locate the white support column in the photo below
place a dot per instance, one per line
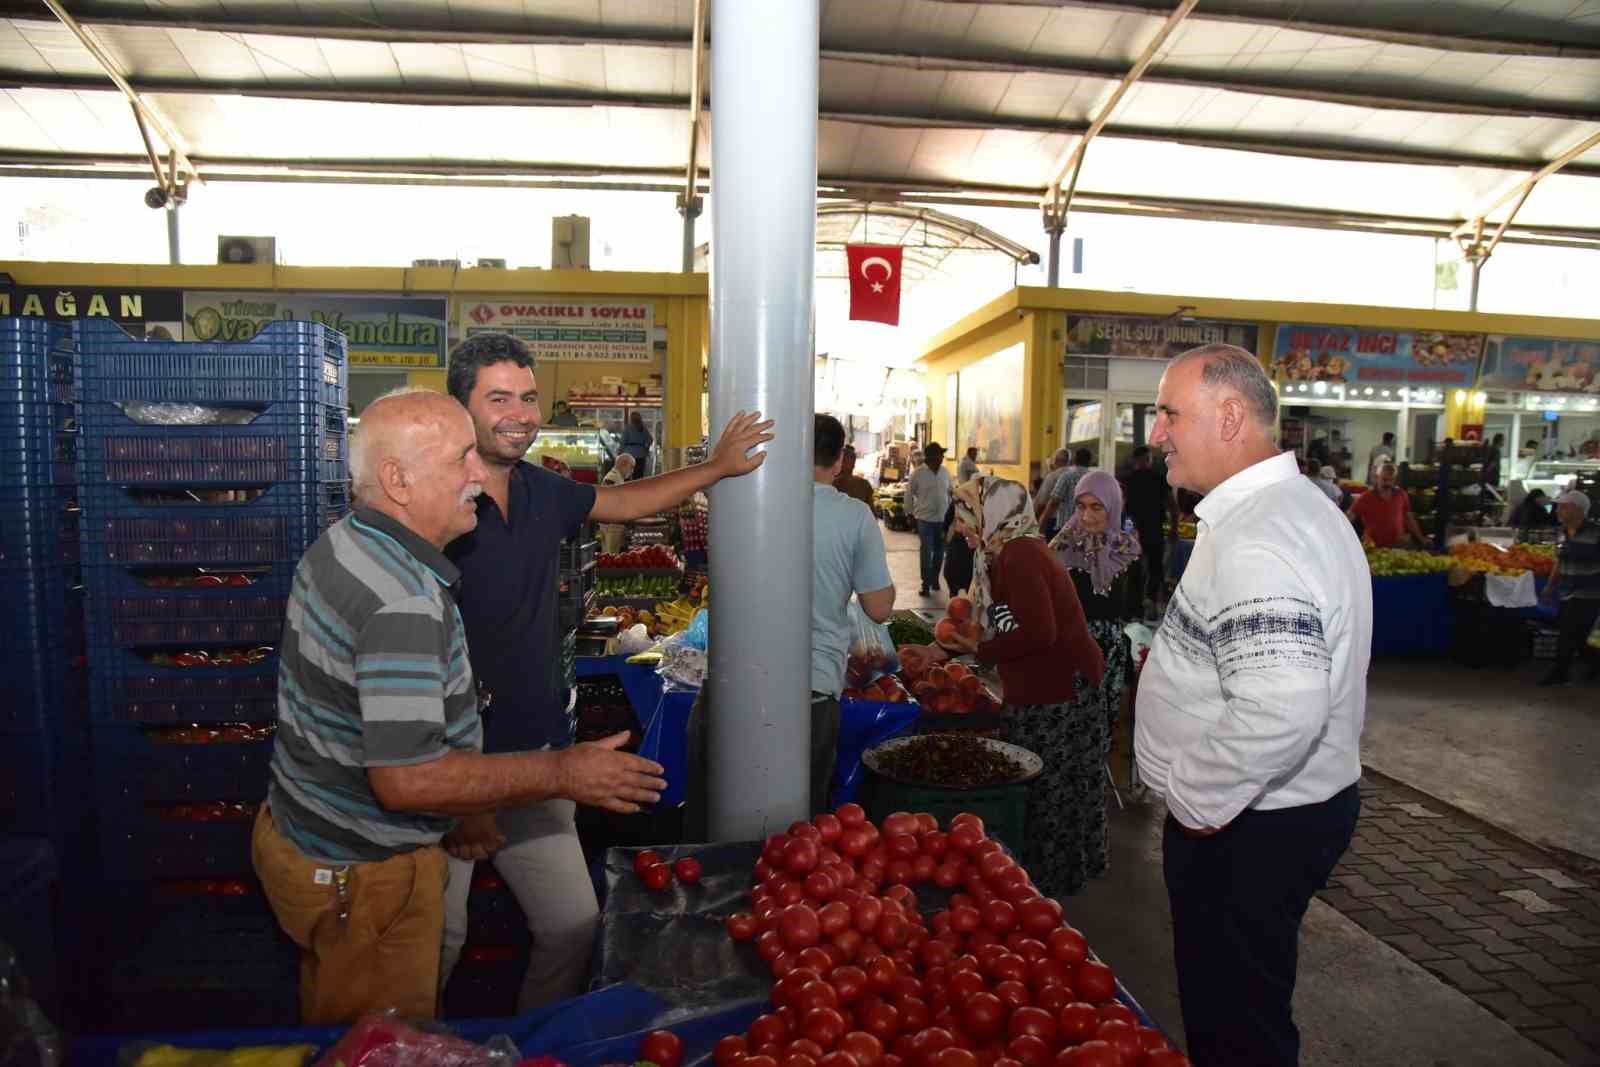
(764, 69)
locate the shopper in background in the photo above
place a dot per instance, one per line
(1250, 707)
(1444, 499)
(847, 558)
(1058, 506)
(563, 415)
(1327, 480)
(636, 442)
(510, 572)
(849, 482)
(1384, 512)
(1383, 450)
(927, 498)
(1576, 583)
(967, 469)
(614, 535)
(1059, 461)
(1104, 560)
(377, 747)
(1033, 631)
(1532, 514)
(1150, 502)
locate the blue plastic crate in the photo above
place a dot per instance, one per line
(41, 643)
(159, 842)
(27, 783)
(136, 609)
(125, 688)
(38, 527)
(286, 361)
(124, 527)
(294, 442)
(38, 443)
(138, 766)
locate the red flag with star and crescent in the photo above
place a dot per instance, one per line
(874, 282)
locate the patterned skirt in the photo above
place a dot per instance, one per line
(1066, 837)
(1113, 644)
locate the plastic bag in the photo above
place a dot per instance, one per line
(683, 665)
(634, 640)
(872, 652)
(383, 1039)
(152, 414)
(138, 1054)
(1140, 637)
(27, 1037)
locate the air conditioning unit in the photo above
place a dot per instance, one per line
(491, 264)
(569, 243)
(232, 249)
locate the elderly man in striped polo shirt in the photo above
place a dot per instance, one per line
(378, 743)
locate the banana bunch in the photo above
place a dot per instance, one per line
(675, 615)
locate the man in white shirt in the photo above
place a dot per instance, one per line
(926, 501)
(1383, 450)
(1250, 707)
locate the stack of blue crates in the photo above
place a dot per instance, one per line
(206, 470)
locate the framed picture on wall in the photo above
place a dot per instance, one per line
(989, 416)
(952, 399)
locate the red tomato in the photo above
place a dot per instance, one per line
(785, 989)
(927, 823)
(953, 1057)
(898, 872)
(1035, 1021)
(880, 1020)
(1151, 1039)
(829, 827)
(965, 920)
(800, 856)
(833, 917)
(905, 897)
(983, 1015)
(799, 927)
(1068, 945)
(947, 875)
(1052, 998)
(759, 1061)
(797, 1059)
(850, 943)
(1013, 994)
(922, 869)
(820, 885)
(1046, 972)
(866, 913)
(965, 818)
(901, 822)
(1019, 893)
(987, 847)
(784, 964)
(1118, 1010)
(769, 944)
(882, 975)
(850, 983)
(965, 838)
(851, 815)
(999, 916)
(1029, 1051)
(935, 954)
(804, 829)
(813, 995)
(1077, 1021)
(643, 861)
(818, 959)
(825, 1026)
(760, 895)
(890, 932)
(1165, 1058)
(657, 877)
(965, 984)
(772, 851)
(1028, 948)
(729, 1051)
(907, 984)
(1003, 1061)
(687, 870)
(791, 893)
(991, 865)
(837, 1059)
(900, 846)
(935, 843)
(914, 1014)
(742, 926)
(1122, 1037)
(1094, 981)
(867, 1048)
(1089, 1054)
(927, 1042)
(1037, 918)
(662, 1048)
(855, 842)
(981, 937)
(801, 1047)
(1008, 968)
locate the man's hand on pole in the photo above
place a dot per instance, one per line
(732, 455)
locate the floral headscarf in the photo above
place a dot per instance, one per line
(997, 510)
(1102, 556)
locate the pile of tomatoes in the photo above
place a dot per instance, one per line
(864, 980)
(657, 874)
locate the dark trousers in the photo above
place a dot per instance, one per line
(1154, 551)
(824, 750)
(1575, 620)
(1237, 899)
(931, 535)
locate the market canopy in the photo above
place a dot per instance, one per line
(1411, 116)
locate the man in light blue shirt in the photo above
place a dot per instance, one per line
(847, 557)
(927, 499)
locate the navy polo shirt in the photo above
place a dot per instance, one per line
(510, 580)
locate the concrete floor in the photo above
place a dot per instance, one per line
(1487, 742)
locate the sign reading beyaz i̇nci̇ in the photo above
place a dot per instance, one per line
(566, 328)
(382, 331)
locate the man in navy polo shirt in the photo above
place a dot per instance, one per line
(510, 568)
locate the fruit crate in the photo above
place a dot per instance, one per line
(139, 766)
(294, 442)
(493, 914)
(38, 444)
(41, 644)
(38, 526)
(175, 841)
(124, 688)
(132, 608)
(286, 362)
(274, 527)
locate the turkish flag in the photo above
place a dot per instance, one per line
(874, 282)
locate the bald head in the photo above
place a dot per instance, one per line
(1216, 413)
(1239, 371)
(413, 457)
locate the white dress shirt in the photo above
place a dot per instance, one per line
(1255, 691)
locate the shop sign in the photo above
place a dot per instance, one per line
(1546, 364)
(1348, 355)
(158, 312)
(383, 331)
(564, 328)
(1151, 337)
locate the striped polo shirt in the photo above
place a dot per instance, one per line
(374, 673)
(1579, 566)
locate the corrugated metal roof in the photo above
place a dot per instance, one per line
(1415, 111)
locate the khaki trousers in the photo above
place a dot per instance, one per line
(384, 955)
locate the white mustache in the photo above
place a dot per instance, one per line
(471, 493)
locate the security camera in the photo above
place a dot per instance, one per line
(155, 197)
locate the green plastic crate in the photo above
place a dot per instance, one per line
(1003, 808)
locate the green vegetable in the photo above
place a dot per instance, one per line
(906, 632)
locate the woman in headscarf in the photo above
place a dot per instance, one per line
(1032, 629)
(1103, 559)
